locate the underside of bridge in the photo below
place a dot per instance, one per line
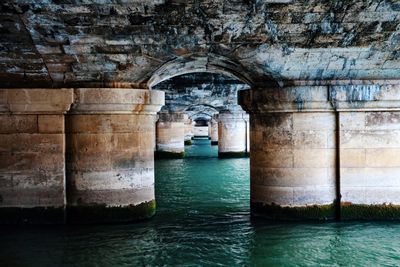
(89, 90)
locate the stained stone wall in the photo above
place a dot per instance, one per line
(330, 154)
(370, 158)
(119, 43)
(32, 155)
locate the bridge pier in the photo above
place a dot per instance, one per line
(189, 131)
(214, 131)
(171, 135)
(110, 155)
(318, 152)
(232, 134)
(325, 152)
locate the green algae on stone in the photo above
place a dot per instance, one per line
(169, 155)
(89, 214)
(370, 212)
(188, 142)
(309, 212)
(240, 154)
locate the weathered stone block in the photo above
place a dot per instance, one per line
(51, 123)
(310, 139)
(314, 121)
(314, 158)
(352, 158)
(383, 158)
(274, 158)
(18, 124)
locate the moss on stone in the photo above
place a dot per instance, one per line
(169, 155)
(310, 212)
(214, 143)
(37, 215)
(369, 212)
(104, 214)
(225, 155)
(188, 142)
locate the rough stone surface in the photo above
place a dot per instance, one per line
(112, 43)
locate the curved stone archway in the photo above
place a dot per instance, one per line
(197, 63)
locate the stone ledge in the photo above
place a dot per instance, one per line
(116, 101)
(35, 101)
(373, 97)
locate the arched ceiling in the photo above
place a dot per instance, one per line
(60, 43)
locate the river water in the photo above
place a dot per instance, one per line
(203, 220)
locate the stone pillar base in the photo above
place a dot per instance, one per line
(241, 154)
(188, 142)
(288, 213)
(104, 214)
(369, 212)
(169, 155)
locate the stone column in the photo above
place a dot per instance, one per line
(171, 135)
(231, 134)
(214, 131)
(209, 129)
(369, 143)
(188, 131)
(293, 152)
(110, 153)
(32, 155)
(323, 152)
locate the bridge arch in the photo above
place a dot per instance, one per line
(197, 63)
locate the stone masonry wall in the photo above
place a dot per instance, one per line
(32, 155)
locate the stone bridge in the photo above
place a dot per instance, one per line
(82, 83)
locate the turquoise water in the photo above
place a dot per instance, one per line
(203, 220)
